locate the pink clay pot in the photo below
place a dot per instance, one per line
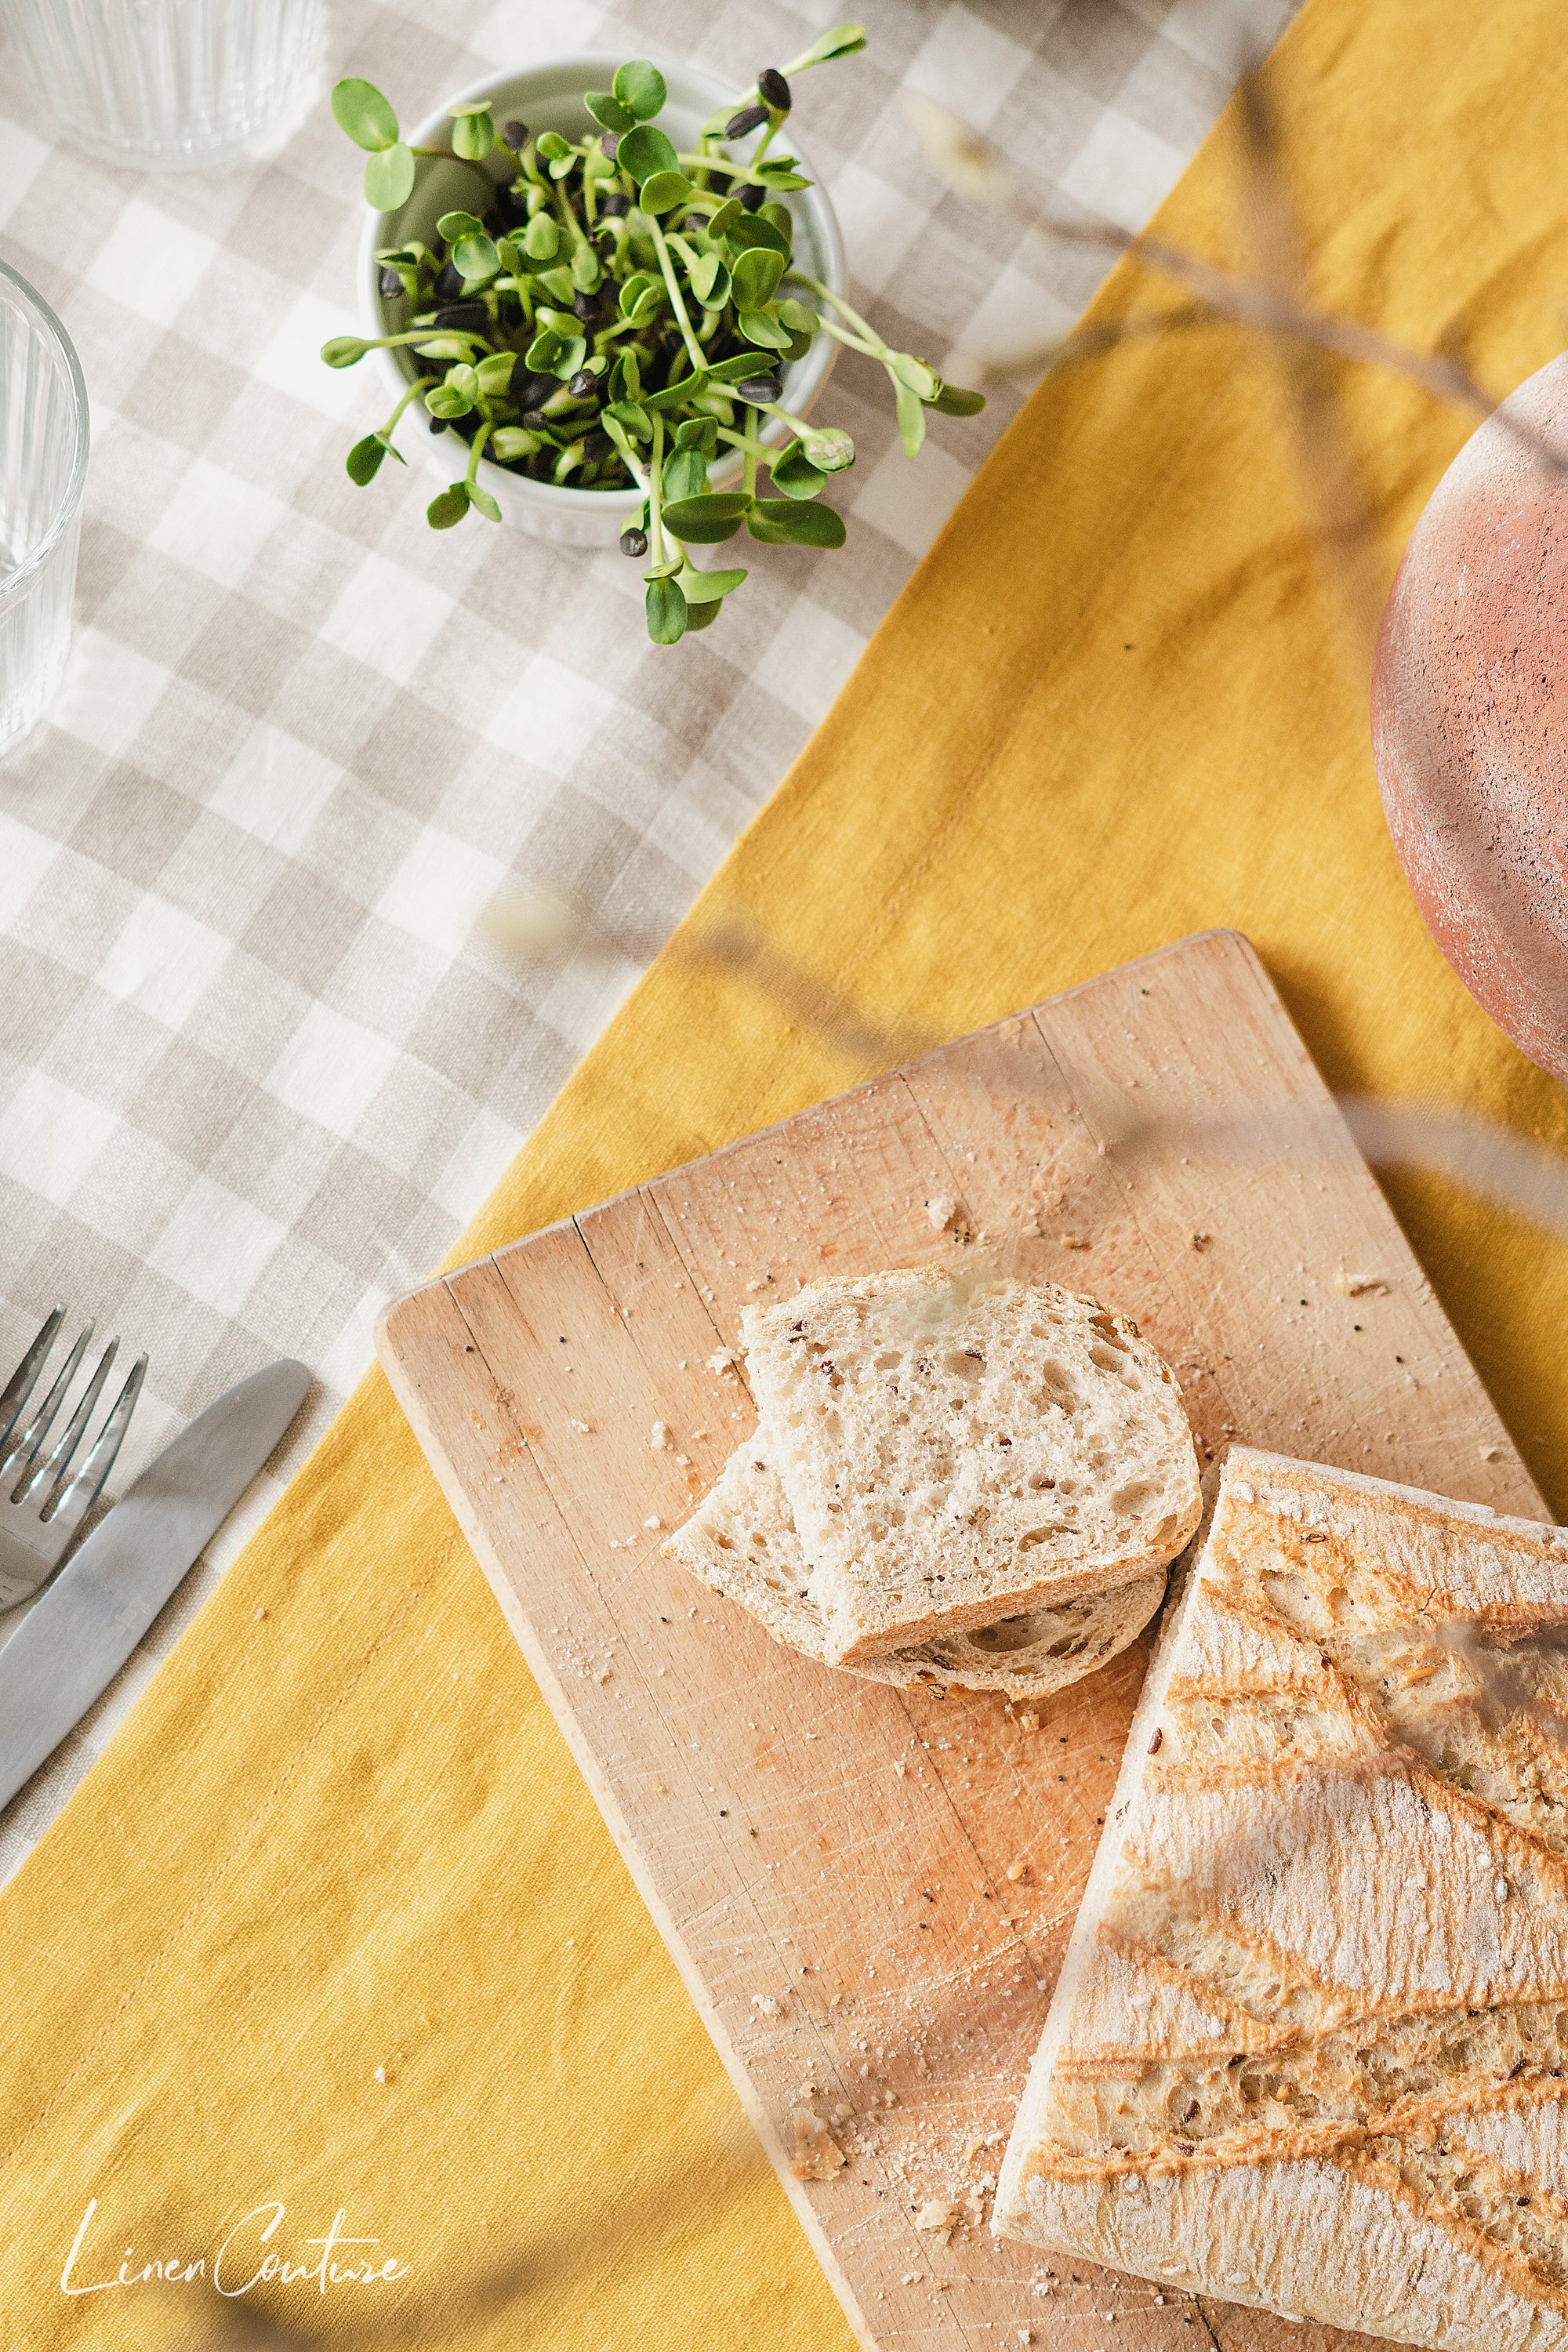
(1470, 718)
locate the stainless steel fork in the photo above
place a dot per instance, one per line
(43, 1501)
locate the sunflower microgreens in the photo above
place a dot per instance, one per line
(618, 314)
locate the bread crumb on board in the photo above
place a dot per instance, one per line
(1360, 1285)
(937, 2218)
(817, 2155)
(658, 1437)
(942, 1211)
(720, 1360)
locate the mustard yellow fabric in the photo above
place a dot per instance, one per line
(343, 1841)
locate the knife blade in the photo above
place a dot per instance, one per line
(86, 1624)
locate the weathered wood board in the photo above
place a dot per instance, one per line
(868, 1892)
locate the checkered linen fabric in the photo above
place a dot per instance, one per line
(257, 1065)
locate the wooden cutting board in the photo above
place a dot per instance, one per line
(868, 1892)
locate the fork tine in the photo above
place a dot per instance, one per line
(37, 1429)
(20, 1387)
(79, 1493)
(52, 1473)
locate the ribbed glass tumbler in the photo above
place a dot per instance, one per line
(43, 465)
(163, 85)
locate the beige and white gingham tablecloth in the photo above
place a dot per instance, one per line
(257, 1066)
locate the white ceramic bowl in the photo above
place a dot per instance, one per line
(550, 97)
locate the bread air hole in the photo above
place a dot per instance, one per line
(1133, 1495)
(1014, 1633)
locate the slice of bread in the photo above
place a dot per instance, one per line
(1309, 2046)
(742, 1542)
(960, 1451)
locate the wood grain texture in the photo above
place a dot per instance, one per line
(828, 1858)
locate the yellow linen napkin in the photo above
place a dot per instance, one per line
(334, 1925)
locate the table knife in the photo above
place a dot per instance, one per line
(86, 1624)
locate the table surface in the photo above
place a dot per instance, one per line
(260, 1061)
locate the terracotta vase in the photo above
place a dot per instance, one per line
(1470, 718)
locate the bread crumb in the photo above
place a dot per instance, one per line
(720, 1360)
(942, 1211)
(1028, 1722)
(1015, 1870)
(1072, 1241)
(817, 2155)
(260, 1615)
(602, 1676)
(936, 2218)
(901, 1769)
(583, 1426)
(655, 1523)
(1360, 1285)
(1489, 1453)
(381, 2074)
(658, 1437)
(766, 2003)
(1202, 1241)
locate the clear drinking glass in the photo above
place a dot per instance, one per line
(163, 85)
(43, 465)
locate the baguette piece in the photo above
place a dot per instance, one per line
(1309, 2046)
(742, 1542)
(961, 1450)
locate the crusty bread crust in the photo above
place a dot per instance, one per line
(742, 1542)
(958, 1450)
(1309, 2045)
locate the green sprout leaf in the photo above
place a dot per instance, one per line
(795, 315)
(586, 271)
(453, 225)
(640, 298)
(665, 608)
(759, 328)
(389, 178)
(911, 419)
(630, 418)
(510, 442)
(609, 111)
(640, 88)
(685, 474)
(707, 587)
(843, 41)
(680, 394)
(702, 616)
(698, 433)
(473, 134)
(445, 347)
(494, 373)
(784, 522)
(477, 259)
(359, 108)
(752, 230)
(449, 507)
(795, 473)
(663, 191)
(709, 281)
(922, 381)
(953, 400)
(779, 175)
(645, 152)
(552, 147)
(461, 106)
(343, 351)
(755, 277)
(363, 461)
(482, 503)
(729, 212)
(542, 237)
(545, 350)
(706, 520)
